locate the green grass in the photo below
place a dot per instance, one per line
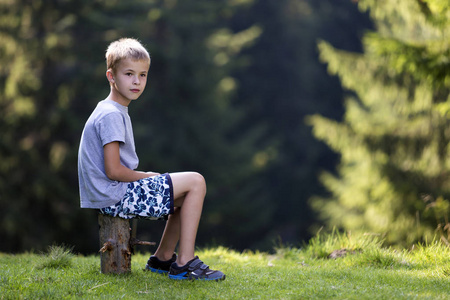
(368, 271)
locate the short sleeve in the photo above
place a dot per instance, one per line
(111, 128)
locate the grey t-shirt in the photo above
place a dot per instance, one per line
(109, 122)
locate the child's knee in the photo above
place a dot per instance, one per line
(198, 180)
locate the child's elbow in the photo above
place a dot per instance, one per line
(111, 174)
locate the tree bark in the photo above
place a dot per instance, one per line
(115, 252)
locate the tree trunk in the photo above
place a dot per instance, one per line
(115, 252)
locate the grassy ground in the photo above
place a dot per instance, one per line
(367, 271)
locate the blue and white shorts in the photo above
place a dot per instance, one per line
(148, 198)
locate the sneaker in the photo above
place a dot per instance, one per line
(158, 266)
(195, 269)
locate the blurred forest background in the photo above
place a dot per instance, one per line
(244, 92)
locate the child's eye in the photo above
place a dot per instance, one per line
(128, 74)
(143, 75)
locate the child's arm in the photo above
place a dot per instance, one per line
(115, 170)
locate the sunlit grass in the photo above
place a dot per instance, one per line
(56, 257)
(366, 271)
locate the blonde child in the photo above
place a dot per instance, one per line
(109, 182)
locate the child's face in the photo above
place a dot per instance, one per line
(129, 80)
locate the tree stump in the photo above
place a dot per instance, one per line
(115, 252)
(117, 244)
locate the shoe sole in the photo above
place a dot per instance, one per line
(158, 271)
(182, 277)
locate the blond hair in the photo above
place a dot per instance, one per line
(125, 48)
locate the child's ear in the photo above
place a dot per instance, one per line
(110, 76)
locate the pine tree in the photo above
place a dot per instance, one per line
(393, 177)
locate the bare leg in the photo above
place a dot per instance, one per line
(189, 192)
(170, 237)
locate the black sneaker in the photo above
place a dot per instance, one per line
(195, 269)
(158, 266)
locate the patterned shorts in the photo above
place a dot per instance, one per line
(148, 198)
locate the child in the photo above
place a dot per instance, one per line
(108, 181)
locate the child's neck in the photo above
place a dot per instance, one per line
(118, 98)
